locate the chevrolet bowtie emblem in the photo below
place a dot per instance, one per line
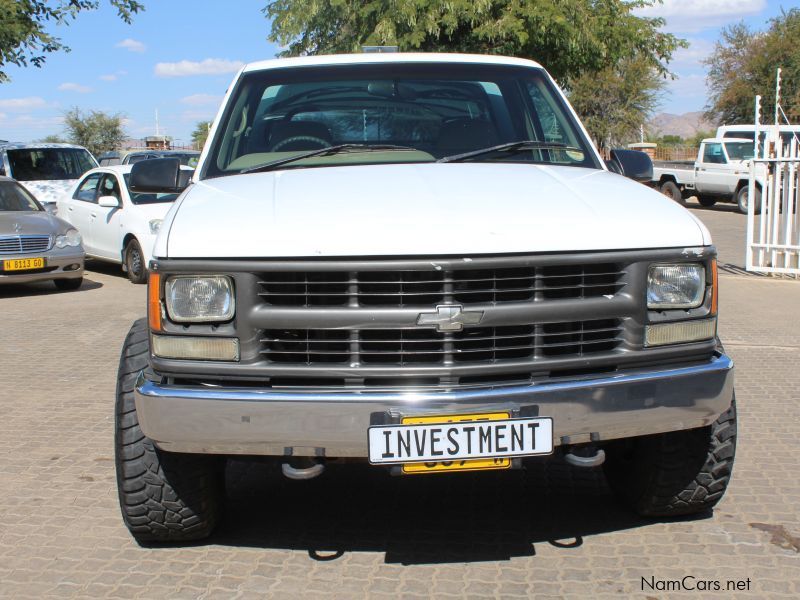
(450, 317)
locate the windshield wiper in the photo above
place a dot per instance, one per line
(509, 147)
(329, 151)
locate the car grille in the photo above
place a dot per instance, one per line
(405, 288)
(23, 244)
(401, 347)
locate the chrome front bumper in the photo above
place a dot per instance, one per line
(220, 420)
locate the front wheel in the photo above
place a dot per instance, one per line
(675, 473)
(134, 262)
(742, 200)
(707, 201)
(68, 284)
(164, 496)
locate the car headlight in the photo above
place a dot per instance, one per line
(195, 298)
(676, 286)
(71, 238)
(155, 226)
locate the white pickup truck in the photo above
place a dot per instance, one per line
(721, 172)
(421, 262)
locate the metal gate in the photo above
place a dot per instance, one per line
(773, 228)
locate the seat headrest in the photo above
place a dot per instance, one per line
(463, 135)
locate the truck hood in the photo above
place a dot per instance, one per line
(422, 209)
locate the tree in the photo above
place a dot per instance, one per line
(200, 134)
(52, 139)
(616, 101)
(743, 65)
(23, 38)
(569, 37)
(97, 131)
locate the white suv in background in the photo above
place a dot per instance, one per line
(116, 225)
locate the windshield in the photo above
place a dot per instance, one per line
(147, 198)
(14, 198)
(434, 110)
(47, 164)
(739, 150)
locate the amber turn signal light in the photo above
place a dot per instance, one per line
(154, 301)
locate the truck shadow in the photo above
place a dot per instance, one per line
(426, 519)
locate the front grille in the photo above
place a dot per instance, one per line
(402, 288)
(24, 244)
(479, 345)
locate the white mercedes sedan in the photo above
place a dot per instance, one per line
(117, 225)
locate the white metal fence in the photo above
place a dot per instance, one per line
(773, 228)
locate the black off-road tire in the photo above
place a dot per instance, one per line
(134, 262)
(675, 473)
(68, 284)
(707, 201)
(741, 200)
(671, 190)
(164, 496)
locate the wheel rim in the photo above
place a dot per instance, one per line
(135, 262)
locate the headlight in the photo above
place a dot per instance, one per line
(71, 238)
(155, 226)
(193, 298)
(676, 286)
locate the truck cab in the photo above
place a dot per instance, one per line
(419, 262)
(721, 172)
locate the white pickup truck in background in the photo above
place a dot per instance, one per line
(720, 173)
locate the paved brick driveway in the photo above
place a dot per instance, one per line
(553, 531)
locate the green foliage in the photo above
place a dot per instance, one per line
(200, 134)
(96, 131)
(744, 64)
(52, 139)
(569, 37)
(23, 39)
(614, 102)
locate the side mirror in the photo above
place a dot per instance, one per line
(108, 202)
(159, 176)
(632, 164)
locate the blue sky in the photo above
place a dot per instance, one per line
(178, 57)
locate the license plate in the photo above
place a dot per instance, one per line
(459, 442)
(23, 264)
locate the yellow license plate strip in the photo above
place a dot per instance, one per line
(475, 464)
(23, 264)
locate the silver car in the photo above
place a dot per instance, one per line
(35, 245)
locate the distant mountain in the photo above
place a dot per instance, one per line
(686, 125)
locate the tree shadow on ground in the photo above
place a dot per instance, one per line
(425, 519)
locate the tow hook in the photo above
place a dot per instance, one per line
(301, 468)
(585, 456)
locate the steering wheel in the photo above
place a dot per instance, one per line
(304, 139)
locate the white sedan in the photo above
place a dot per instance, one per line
(116, 224)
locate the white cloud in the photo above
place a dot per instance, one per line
(29, 103)
(111, 77)
(201, 100)
(186, 68)
(197, 115)
(693, 56)
(132, 45)
(74, 87)
(686, 16)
